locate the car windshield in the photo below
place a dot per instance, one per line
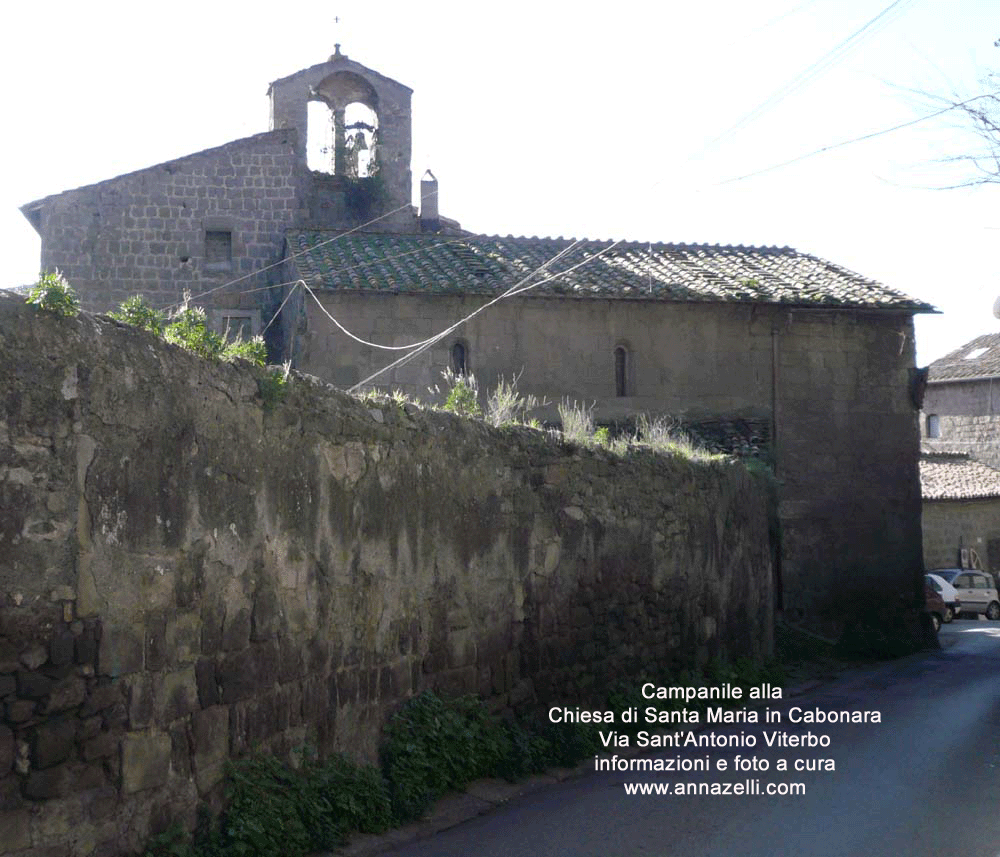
(948, 574)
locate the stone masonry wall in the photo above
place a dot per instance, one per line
(969, 418)
(144, 233)
(951, 524)
(188, 571)
(834, 383)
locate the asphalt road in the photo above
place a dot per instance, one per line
(924, 781)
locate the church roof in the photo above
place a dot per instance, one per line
(490, 264)
(977, 359)
(955, 476)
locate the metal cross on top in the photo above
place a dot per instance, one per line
(336, 33)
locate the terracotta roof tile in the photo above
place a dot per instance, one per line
(977, 359)
(955, 476)
(489, 264)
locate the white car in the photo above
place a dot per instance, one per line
(976, 590)
(948, 593)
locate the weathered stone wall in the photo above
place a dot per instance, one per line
(951, 524)
(969, 418)
(188, 571)
(144, 232)
(835, 385)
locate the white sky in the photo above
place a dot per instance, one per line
(551, 118)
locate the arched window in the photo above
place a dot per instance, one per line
(621, 371)
(933, 425)
(459, 359)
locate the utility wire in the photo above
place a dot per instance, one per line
(514, 290)
(860, 139)
(825, 62)
(299, 253)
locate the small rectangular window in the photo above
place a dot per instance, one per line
(238, 327)
(218, 250)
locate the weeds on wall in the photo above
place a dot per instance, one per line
(188, 328)
(54, 294)
(506, 406)
(461, 394)
(138, 312)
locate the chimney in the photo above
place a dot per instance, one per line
(429, 220)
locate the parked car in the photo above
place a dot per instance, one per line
(948, 593)
(935, 606)
(976, 589)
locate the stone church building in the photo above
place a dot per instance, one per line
(819, 358)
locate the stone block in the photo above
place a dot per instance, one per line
(212, 618)
(236, 630)
(184, 638)
(59, 820)
(15, 831)
(101, 697)
(121, 650)
(180, 749)
(145, 761)
(61, 648)
(10, 793)
(53, 742)
(141, 700)
(176, 695)
(68, 693)
(101, 746)
(208, 688)
(236, 676)
(290, 663)
(116, 717)
(34, 657)
(266, 617)
(266, 660)
(20, 711)
(155, 643)
(33, 685)
(85, 647)
(8, 685)
(6, 750)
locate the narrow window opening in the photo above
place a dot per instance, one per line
(621, 372)
(218, 250)
(933, 425)
(459, 363)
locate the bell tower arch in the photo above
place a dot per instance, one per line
(368, 133)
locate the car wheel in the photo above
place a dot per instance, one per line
(993, 611)
(936, 622)
(949, 614)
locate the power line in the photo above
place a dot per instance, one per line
(825, 62)
(860, 139)
(511, 292)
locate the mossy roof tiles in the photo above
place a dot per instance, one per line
(955, 476)
(490, 264)
(977, 359)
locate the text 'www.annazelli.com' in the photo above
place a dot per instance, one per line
(747, 787)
